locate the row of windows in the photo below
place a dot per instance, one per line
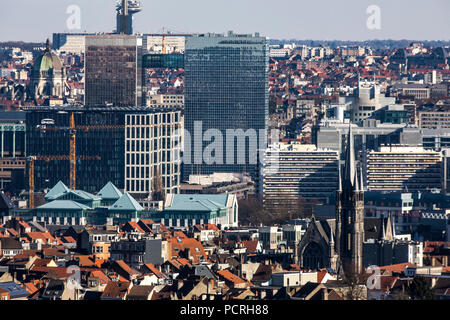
(160, 118)
(144, 145)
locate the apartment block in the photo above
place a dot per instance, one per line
(292, 171)
(401, 168)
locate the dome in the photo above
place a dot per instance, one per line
(48, 62)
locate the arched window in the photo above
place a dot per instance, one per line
(313, 256)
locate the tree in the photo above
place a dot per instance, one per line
(420, 289)
(272, 104)
(158, 192)
(251, 212)
(355, 285)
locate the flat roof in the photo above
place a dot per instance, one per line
(80, 108)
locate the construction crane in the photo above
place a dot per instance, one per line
(72, 157)
(31, 161)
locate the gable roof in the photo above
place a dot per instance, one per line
(139, 292)
(251, 245)
(396, 268)
(127, 203)
(151, 267)
(228, 276)
(134, 226)
(109, 191)
(103, 278)
(115, 290)
(126, 268)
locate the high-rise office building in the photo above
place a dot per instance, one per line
(226, 88)
(113, 69)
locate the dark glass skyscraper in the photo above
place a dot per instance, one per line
(124, 145)
(113, 68)
(226, 87)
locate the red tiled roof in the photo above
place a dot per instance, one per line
(250, 245)
(116, 289)
(46, 236)
(68, 239)
(38, 263)
(134, 225)
(30, 287)
(100, 275)
(194, 247)
(126, 268)
(397, 268)
(154, 270)
(227, 275)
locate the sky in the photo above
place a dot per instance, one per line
(36, 20)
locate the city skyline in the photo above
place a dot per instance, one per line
(337, 22)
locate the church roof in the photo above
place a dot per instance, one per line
(47, 61)
(327, 229)
(373, 228)
(109, 191)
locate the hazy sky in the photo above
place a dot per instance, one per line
(35, 20)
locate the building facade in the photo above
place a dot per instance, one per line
(12, 151)
(291, 171)
(185, 210)
(123, 145)
(153, 144)
(113, 70)
(400, 168)
(226, 88)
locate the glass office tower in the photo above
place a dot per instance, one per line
(113, 68)
(226, 87)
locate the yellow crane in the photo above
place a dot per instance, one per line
(31, 161)
(72, 157)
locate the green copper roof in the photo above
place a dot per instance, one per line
(198, 202)
(85, 195)
(109, 191)
(127, 203)
(63, 205)
(47, 61)
(58, 190)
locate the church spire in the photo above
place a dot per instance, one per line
(350, 167)
(47, 45)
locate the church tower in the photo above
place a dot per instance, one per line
(350, 213)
